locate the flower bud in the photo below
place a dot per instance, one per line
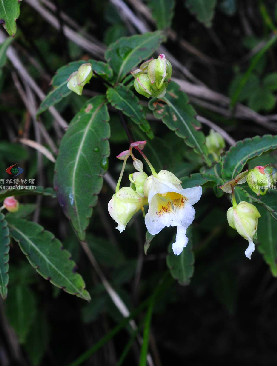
(123, 205)
(215, 144)
(138, 165)
(11, 204)
(138, 179)
(244, 219)
(84, 74)
(142, 85)
(73, 84)
(260, 179)
(78, 79)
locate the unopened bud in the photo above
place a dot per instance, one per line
(11, 204)
(260, 179)
(123, 205)
(244, 219)
(73, 84)
(142, 85)
(84, 74)
(215, 144)
(138, 165)
(159, 71)
(138, 179)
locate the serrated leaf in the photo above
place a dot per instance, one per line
(270, 81)
(244, 150)
(37, 339)
(9, 12)
(125, 100)
(20, 308)
(196, 179)
(262, 99)
(179, 116)
(3, 50)
(4, 256)
(268, 201)
(128, 52)
(202, 9)
(162, 12)
(47, 256)
(60, 80)
(81, 163)
(24, 192)
(181, 266)
(267, 236)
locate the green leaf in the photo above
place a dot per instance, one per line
(24, 192)
(270, 81)
(148, 238)
(128, 52)
(37, 339)
(81, 163)
(3, 50)
(47, 256)
(14, 152)
(179, 116)
(23, 210)
(196, 179)
(59, 81)
(202, 9)
(244, 150)
(181, 266)
(268, 201)
(262, 100)
(20, 309)
(250, 86)
(125, 100)
(4, 256)
(267, 236)
(9, 12)
(162, 12)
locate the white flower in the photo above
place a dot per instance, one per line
(123, 205)
(170, 205)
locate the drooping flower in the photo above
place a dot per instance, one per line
(244, 218)
(123, 205)
(170, 205)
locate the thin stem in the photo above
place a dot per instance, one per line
(234, 201)
(153, 171)
(124, 125)
(121, 174)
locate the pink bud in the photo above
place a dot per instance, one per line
(11, 204)
(139, 144)
(123, 155)
(260, 169)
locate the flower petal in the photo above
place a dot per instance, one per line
(181, 240)
(250, 249)
(192, 194)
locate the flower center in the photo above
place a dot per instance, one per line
(168, 202)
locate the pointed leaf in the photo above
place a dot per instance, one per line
(47, 256)
(81, 163)
(244, 150)
(162, 12)
(179, 116)
(267, 236)
(181, 266)
(23, 192)
(4, 256)
(20, 308)
(128, 52)
(9, 12)
(60, 80)
(202, 9)
(125, 100)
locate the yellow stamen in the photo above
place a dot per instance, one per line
(167, 202)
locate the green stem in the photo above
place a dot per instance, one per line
(153, 171)
(146, 333)
(121, 175)
(234, 201)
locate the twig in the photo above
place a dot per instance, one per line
(109, 179)
(13, 57)
(40, 148)
(82, 42)
(223, 133)
(113, 295)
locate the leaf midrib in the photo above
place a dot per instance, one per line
(45, 258)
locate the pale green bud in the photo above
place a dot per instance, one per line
(84, 74)
(159, 71)
(73, 84)
(244, 219)
(142, 85)
(138, 179)
(138, 165)
(123, 205)
(260, 179)
(215, 144)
